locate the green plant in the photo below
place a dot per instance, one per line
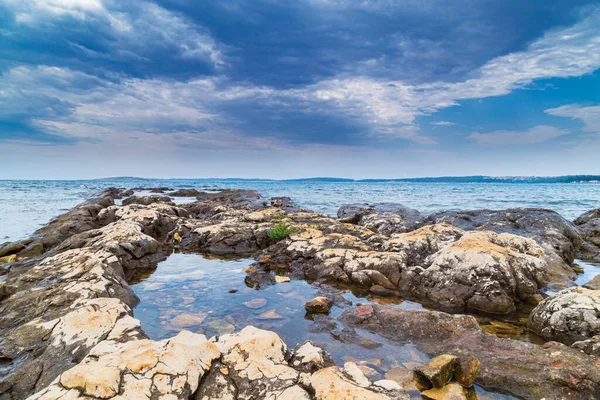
(281, 230)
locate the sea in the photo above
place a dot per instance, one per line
(27, 205)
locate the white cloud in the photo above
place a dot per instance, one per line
(134, 26)
(589, 115)
(388, 108)
(443, 123)
(533, 135)
(563, 53)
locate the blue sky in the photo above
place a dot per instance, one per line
(277, 89)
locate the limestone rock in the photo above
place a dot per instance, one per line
(482, 270)
(569, 316)
(309, 358)
(384, 218)
(331, 384)
(138, 369)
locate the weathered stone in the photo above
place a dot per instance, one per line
(589, 346)
(594, 284)
(436, 373)
(331, 384)
(318, 305)
(589, 226)
(559, 238)
(138, 369)
(184, 193)
(482, 270)
(466, 371)
(452, 391)
(516, 367)
(355, 373)
(384, 218)
(310, 358)
(569, 316)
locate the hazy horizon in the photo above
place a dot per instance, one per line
(370, 89)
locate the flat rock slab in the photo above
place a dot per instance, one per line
(520, 368)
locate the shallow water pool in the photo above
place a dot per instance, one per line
(207, 294)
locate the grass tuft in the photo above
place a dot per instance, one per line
(281, 230)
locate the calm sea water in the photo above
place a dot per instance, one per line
(27, 205)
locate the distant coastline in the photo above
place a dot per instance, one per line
(593, 179)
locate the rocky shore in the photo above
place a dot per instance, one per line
(67, 329)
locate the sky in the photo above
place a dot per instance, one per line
(298, 88)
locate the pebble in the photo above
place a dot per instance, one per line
(256, 303)
(271, 314)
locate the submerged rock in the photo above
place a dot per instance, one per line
(569, 316)
(188, 320)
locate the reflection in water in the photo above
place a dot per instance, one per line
(590, 270)
(206, 294)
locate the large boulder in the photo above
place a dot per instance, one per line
(523, 369)
(439, 264)
(559, 238)
(481, 271)
(383, 218)
(589, 225)
(569, 316)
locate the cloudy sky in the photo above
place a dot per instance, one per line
(298, 88)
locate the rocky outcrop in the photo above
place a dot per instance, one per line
(384, 218)
(481, 271)
(569, 316)
(248, 365)
(589, 225)
(139, 369)
(559, 238)
(67, 329)
(184, 193)
(66, 326)
(77, 220)
(519, 368)
(147, 200)
(439, 264)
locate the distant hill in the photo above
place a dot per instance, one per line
(440, 179)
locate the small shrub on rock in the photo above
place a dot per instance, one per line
(281, 230)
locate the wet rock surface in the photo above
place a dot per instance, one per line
(67, 329)
(523, 369)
